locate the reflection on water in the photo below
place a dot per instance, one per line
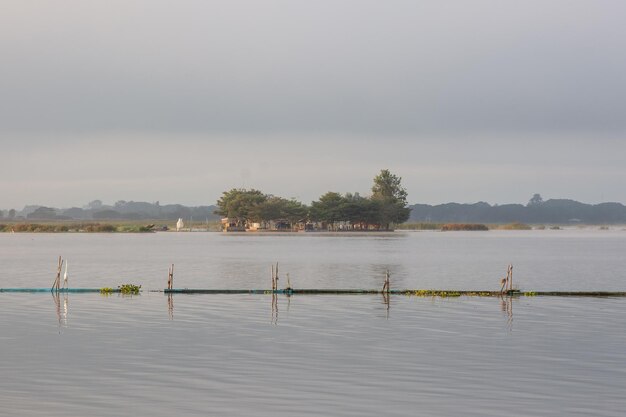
(506, 305)
(274, 309)
(170, 306)
(61, 312)
(325, 355)
(387, 303)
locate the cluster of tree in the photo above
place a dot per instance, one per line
(537, 210)
(385, 207)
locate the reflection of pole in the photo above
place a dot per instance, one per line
(274, 308)
(57, 304)
(65, 303)
(387, 301)
(170, 306)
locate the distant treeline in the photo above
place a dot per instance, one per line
(537, 211)
(335, 207)
(73, 227)
(122, 210)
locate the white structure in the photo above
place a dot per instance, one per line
(180, 225)
(66, 275)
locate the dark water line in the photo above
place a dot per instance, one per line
(60, 290)
(315, 291)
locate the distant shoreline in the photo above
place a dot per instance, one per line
(214, 227)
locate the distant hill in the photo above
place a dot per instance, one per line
(559, 211)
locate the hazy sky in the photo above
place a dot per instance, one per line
(178, 101)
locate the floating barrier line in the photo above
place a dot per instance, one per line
(314, 291)
(60, 290)
(423, 293)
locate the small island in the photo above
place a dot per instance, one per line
(253, 210)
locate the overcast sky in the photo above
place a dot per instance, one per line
(178, 101)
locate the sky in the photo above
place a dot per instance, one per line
(178, 101)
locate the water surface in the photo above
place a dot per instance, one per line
(233, 355)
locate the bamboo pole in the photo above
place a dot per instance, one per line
(57, 280)
(386, 284)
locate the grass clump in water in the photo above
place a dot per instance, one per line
(419, 226)
(129, 289)
(435, 293)
(515, 226)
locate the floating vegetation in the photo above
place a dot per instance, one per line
(434, 293)
(419, 226)
(129, 289)
(106, 290)
(469, 227)
(514, 226)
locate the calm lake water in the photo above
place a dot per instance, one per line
(233, 355)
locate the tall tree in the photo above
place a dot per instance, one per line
(388, 192)
(240, 204)
(329, 208)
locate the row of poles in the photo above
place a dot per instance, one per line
(506, 282)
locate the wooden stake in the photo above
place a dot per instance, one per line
(170, 281)
(386, 284)
(57, 281)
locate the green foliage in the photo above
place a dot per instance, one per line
(106, 290)
(129, 289)
(240, 205)
(434, 293)
(278, 208)
(329, 208)
(391, 197)
(387, 206)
